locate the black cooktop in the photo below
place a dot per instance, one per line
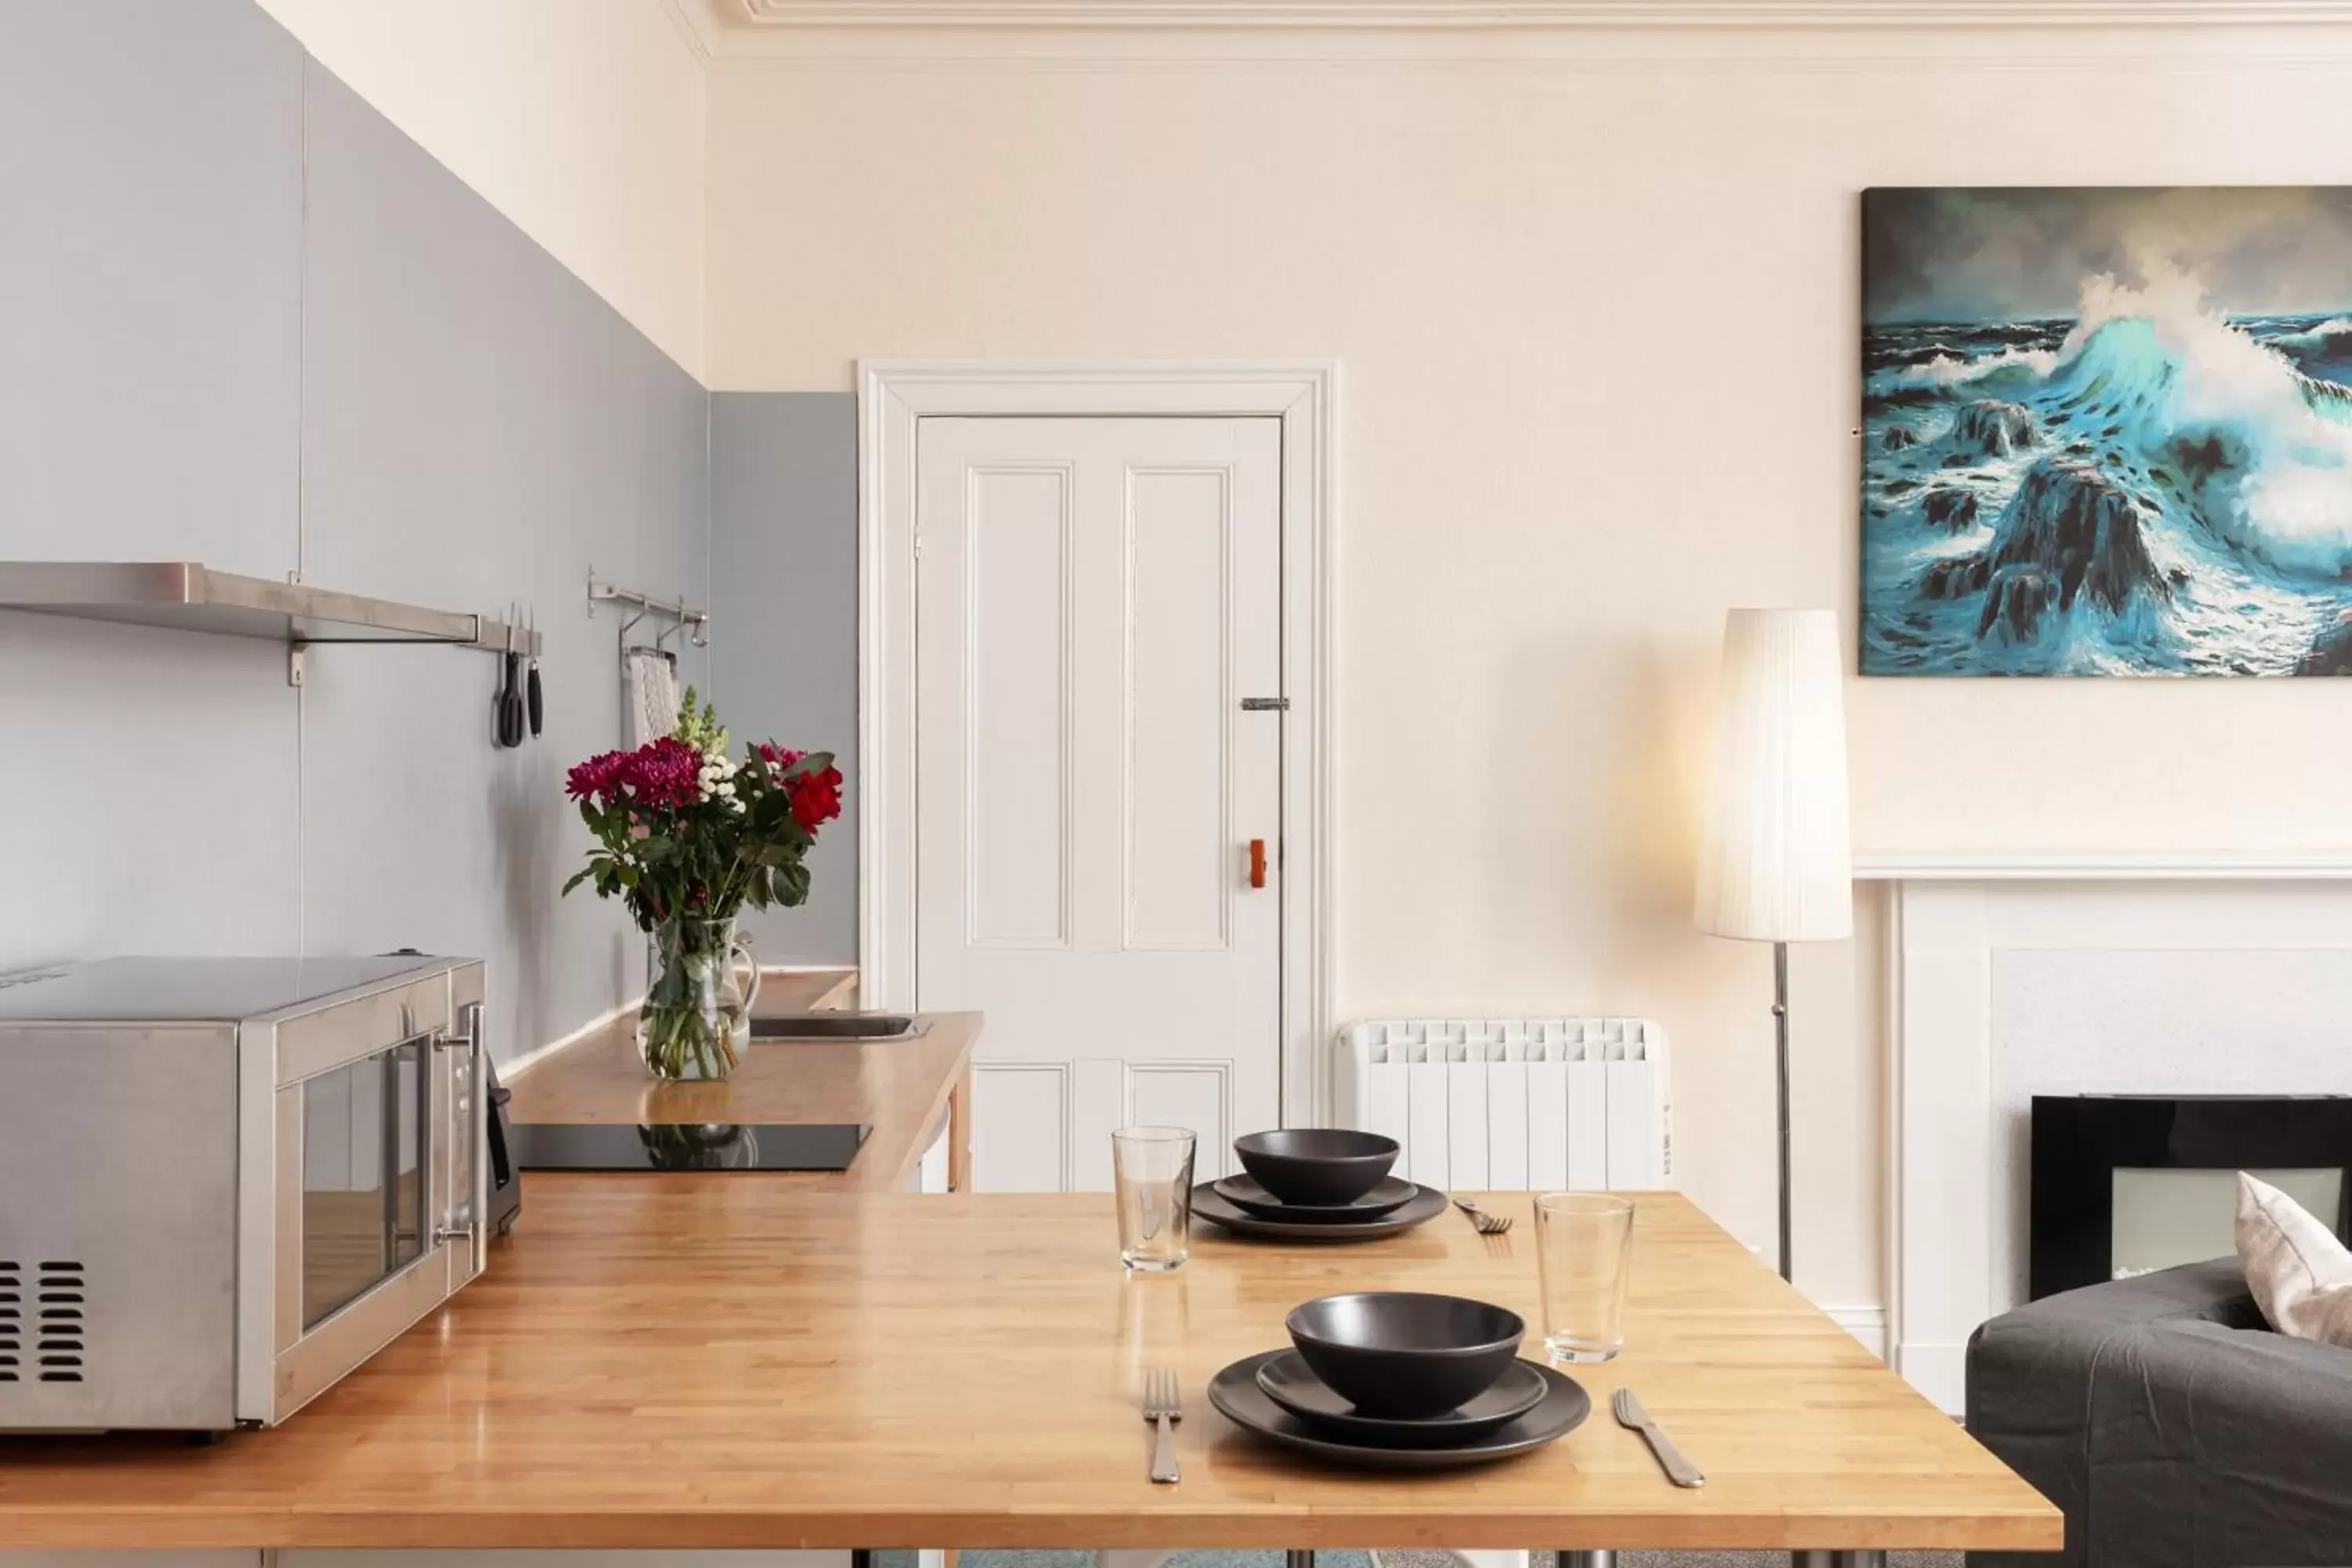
(687, 1146)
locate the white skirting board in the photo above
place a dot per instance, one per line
(1867, 1324)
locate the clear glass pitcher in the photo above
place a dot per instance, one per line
(700, 981)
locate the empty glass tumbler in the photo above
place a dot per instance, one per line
(1152, 1170)
(1583, 1247)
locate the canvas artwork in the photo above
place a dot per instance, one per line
(2107, 431)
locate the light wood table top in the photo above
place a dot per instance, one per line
(901, 1087)
(719, 1361)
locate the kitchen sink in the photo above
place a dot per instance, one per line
(837, 1026)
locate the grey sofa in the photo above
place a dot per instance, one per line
(2175, 1429)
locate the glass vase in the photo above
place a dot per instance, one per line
(700, 980)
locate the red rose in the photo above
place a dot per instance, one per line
(816, 797)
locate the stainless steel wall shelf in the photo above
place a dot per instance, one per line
(193, 597)
(188, 596)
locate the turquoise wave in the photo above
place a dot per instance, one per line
(2216, 455)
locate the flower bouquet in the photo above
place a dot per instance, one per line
(688, 835)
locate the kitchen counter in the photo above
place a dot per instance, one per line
(712, 1361)
(901, 1087)
(806, 990)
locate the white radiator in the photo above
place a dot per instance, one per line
(1506, 1104)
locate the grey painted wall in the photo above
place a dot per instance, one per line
(150, 185)
(400, 394)
(783, 606)
(478, 426)
(151, 307)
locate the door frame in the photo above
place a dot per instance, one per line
(893, 397)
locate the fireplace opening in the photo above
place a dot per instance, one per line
(2123, 1184)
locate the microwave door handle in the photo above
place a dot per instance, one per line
(470, 1042)
(475, 1130)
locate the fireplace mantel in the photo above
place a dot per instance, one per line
(2122, 866)
(1973, 944)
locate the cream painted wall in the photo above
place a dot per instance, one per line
(1597, 324)
(582, 120)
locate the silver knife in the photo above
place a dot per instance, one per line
(1679, 1470)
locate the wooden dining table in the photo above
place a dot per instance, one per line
(727, 1360)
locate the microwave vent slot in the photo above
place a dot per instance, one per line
(12, 1320)
(48, 1335)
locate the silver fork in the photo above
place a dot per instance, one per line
(1487, 1224)
(1162, 1406)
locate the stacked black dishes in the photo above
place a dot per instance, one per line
(1316, 1183)
(1403, 1381)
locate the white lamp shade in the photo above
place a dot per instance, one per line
(1778, 863)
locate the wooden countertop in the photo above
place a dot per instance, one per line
(901, 1087)
(806, 990)
(722, 1361)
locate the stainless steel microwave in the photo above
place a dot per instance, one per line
(226, 1182)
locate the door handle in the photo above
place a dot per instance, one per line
(1257, 862)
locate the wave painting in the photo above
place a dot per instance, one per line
(2108, 432)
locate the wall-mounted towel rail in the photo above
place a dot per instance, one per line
(684, 617)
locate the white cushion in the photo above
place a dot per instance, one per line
(2299, 1273)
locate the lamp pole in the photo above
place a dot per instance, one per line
(1780, 1041)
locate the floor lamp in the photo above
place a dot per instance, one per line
(1776, 864)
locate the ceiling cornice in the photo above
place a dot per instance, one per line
(703, 24)
(1470, 16)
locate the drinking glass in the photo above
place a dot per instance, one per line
(1153, 1168)
(1583, 1242)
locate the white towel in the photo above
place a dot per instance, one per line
(652, 696)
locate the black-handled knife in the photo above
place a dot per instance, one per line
(531, 699)
(510, 703)
(509, 732)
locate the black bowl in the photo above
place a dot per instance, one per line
(1404, 1355)
(1316, 1166)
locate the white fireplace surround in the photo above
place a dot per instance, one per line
(2060, 974)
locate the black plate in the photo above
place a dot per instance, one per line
(1246, 1192)
(1210, 1204)
(1290, 1383)
(1235, 1394)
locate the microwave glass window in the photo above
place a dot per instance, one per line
(364, 1166)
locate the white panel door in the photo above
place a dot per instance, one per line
(1094, 598)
